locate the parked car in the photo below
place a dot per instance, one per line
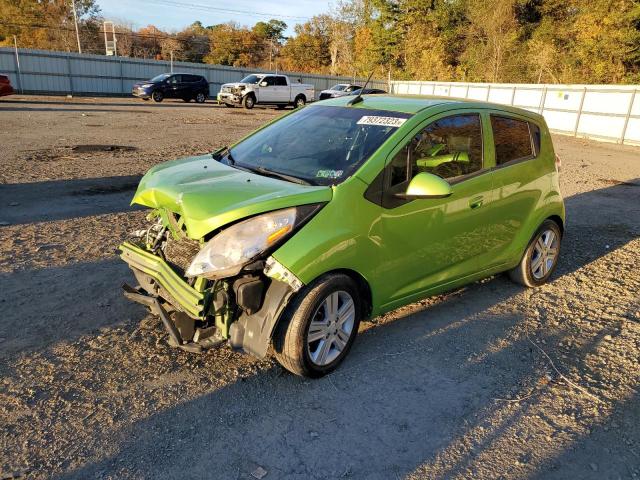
(5, 86)
(338, 90)
(266, 89)
(282, 243)
(368, 91)
(173, 85)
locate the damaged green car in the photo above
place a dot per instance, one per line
(340, 211)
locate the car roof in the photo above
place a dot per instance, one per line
(416, 103)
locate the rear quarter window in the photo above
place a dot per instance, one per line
(514, 139)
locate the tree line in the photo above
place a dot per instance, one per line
(527, 41)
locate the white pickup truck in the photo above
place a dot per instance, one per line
(266, 89)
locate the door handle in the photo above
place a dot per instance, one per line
(476, 202)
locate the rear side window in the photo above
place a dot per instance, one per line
(512, 139)
(281, 81)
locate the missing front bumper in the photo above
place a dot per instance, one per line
(196, 344)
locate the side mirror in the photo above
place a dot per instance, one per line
(263, 84)
(427, 185)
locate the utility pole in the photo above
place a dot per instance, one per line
(171, 61)
(270, 51)
(15, 44)
(75, 20)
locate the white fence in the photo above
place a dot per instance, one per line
(47, 72)
(601, 112)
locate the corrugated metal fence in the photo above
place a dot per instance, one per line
(601, 112)
(48, 72)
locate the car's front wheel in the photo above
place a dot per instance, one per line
(540, 258)
(248, 101)
(201, 97)
(157, 96)
(319, 326)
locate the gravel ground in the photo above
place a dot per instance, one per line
(488, 381)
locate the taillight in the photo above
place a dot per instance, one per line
(558, 163)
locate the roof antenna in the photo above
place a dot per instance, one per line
(358, 97)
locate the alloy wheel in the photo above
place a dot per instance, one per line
(331, 328)
(544, 254)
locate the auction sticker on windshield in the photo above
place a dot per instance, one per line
(381, 121)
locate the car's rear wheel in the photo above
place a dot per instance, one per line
(157, 96)
(201, 97)
(319, 326)
(248, 102)
(540, 259)
(300, 101)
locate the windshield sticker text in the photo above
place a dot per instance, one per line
(329, 173)
(381, 121)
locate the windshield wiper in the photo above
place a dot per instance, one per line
(282, 176)
(219, 155)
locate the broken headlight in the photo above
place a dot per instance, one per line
(230, 250)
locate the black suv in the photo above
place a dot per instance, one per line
(173, 85)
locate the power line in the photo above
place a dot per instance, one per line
(207, 8)
(159, 35)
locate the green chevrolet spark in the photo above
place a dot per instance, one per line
(341, 211)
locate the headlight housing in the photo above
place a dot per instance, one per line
(233, 248)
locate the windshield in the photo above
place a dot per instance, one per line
(252, 79)
(160, 78)
(340, 87)
(320, 145)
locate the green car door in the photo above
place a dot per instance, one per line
(429, 243)
(523, 174)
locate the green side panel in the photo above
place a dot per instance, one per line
(426, 245)
(188, 297)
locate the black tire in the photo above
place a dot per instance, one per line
(157, 96)
(300, 101)
(525, 272)
(290, 338)
(201, 97)
(248, 101)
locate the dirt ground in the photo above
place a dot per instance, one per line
(488, 381)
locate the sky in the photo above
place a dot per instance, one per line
(173, 15)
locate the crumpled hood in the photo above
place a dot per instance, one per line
(237, 84)
(209, 195)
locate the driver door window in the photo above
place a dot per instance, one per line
(450, 147)
(268, 93)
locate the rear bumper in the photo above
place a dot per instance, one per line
(182, 295)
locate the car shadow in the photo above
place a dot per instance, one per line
(43, 307)
(63, 199)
